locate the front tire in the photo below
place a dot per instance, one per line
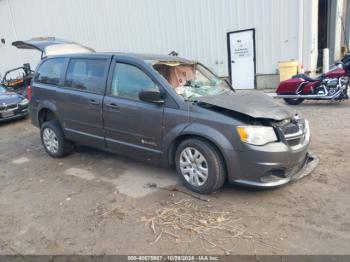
(53, 139)
(293, 101)
(200, 166)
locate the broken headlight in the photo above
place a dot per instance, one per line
(24, 102)
(257, 135)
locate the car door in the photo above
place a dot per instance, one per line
(133, 127)
(81, 97)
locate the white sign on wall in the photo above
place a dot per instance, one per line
(242, 50)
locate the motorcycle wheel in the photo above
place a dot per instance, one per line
(293, 101)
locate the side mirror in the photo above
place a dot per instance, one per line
(152, 96)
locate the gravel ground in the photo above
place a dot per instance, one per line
(93, 202)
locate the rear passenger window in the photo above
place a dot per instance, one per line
(86, 75)
(128, 81)
(50, 71)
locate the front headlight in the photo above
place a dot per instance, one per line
(24, 102)
(257, 135)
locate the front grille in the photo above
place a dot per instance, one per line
(293, 132)
(12, 106)
(4, 108)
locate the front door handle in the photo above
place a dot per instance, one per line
(94, 102)
(113, 106)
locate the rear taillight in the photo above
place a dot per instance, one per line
(29, 92)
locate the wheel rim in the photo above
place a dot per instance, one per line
(50, 140)
(193, 166)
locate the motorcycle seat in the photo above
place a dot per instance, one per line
(307, 78)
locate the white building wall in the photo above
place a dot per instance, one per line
(194, 28)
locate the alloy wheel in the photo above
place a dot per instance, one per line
(193, 166)
(50, 140)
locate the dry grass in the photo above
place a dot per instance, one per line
(186, 221)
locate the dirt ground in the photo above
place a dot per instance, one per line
(92, 202)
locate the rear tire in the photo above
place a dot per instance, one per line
(53, 139)
(293, 101)
(200, 166)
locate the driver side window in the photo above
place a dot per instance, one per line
(129, 80)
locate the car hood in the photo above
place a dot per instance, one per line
(10, 98)
(253, 104)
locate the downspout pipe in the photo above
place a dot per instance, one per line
(14, 31)
(301, 31)
(347, 24)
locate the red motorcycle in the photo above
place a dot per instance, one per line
(330, 86)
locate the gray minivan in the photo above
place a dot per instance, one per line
(170, 111)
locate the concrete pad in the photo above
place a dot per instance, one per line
(21, 160)
(81, 173)
(134, 182)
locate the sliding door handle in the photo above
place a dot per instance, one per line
(94, 102)
(113, 106)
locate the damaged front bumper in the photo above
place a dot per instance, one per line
(273, 178)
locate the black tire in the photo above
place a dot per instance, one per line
(64, 147)
(215, 165)
(293, 101)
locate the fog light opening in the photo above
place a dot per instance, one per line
(273, 175)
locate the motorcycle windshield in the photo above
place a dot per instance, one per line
(49, 46)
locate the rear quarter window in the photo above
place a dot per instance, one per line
(50, 71)
(86, 75)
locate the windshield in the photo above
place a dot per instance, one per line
(2, 90)
(192, 80)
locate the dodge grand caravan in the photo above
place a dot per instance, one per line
(170, 111)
